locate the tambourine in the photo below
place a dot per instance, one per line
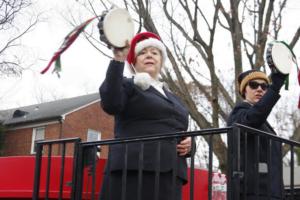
(280, 57)
(116, 27)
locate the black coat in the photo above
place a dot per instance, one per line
(140, 113)
(256, 116)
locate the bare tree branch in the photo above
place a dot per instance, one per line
(295, 38)
(208, 99)
(10, 64)
(11, 42)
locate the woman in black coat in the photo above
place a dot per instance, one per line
(259, 99)
(143, 106)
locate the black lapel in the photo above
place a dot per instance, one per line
(169, 95)
(155, 91)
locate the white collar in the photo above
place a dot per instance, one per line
(156, 83)
(144, 81)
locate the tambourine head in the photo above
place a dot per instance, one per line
(118, 27)
(280, 57)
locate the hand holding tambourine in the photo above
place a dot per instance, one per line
(116, 28)
(280, 57)
(120, 54)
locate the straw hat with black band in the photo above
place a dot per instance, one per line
(249, 75)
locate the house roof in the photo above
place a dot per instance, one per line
(53, 110)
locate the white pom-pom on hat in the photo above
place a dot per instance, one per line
(143, 80)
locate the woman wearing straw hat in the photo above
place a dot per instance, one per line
(142, 106)
(259, 98)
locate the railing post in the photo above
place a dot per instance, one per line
(192, 169)
(210, 165)
(233, 170)
(37, 171)
(48, 171)
(62, 171)
(256, 165)
(292, 172)
(75, 161)
(269, 161)
(140, 176)
(229, 163)
(157, 170)
(93, 172)
(77, 172)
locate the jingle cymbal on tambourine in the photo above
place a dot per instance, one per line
(279, 57)
(116, 28)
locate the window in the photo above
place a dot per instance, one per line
(93, 135)
(37, 134)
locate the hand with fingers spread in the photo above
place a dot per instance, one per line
(184, 147)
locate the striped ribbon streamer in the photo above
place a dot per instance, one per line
(69, 39)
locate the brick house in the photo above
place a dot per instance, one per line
(80, 116)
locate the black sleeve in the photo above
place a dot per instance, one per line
(256, 115)
(115, 89)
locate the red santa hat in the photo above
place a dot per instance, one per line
(143, 40)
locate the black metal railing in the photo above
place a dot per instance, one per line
(142, 140)
(238, 173)
(86, 154)
(42, 145)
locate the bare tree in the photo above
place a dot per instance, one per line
(193, 32)
(41, 97)
(11, 63)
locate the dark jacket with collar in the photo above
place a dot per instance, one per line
(140, 112)
(256, 116)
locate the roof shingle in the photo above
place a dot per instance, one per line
(48, 110)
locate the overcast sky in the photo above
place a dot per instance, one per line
(83, 66)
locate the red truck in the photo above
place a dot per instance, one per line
(17, 175)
